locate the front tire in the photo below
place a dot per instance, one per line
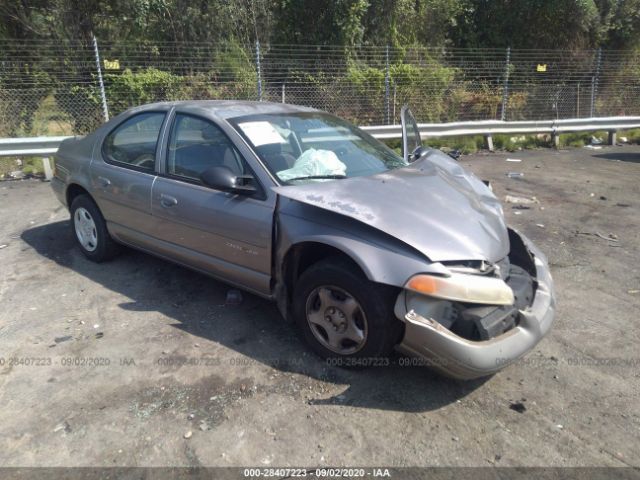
(343, 315)
(90, 230)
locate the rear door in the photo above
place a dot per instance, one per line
(410, 134)
(123, 172)
(225, 234)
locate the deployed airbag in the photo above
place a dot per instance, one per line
(314, 162)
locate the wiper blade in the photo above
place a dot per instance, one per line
(318, 177)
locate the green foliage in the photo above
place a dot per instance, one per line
(135, 88)
(580, 139)
(543, 24)
(319, 22)
(463, 23)
(82, 105)
(423, 87)
(29, 165)
(633, 136)
(17, 107)
(513, 143)
(412, 27)
(466, 145)
(235, 69)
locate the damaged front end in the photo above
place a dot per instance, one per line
(482, 316)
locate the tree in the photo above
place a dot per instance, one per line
(321, 22)
(539, 24)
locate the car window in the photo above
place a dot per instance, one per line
(134, 141)
(314, 147)
(197, 144)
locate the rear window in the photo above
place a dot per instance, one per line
(133, 143)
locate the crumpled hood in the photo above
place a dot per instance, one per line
(433, 205)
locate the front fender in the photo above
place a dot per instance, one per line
(382, 258)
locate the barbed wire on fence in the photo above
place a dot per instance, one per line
(54, 88)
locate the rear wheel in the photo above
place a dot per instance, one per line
(342, 315)
(90, 230)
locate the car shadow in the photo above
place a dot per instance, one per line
(633, 157)
(253, 329)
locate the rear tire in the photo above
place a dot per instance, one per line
(90, 230)
(343, 316)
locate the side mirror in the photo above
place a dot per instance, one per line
(223, 179)
(418, 153)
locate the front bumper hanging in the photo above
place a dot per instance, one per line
(466, 359)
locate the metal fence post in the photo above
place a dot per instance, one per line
(394, 102)
(505, 87)
(258, 70)
(387, 76)
(103, 95)
(594, 83)
(283, 92)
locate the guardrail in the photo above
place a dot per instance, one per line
(47, 146)
(487, 128)
(32, 147)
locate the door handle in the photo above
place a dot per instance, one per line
(104, 182)
(167, 200)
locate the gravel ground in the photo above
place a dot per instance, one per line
(140, 363)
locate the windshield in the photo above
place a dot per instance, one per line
(314, 147)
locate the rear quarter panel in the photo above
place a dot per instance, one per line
(72, 164)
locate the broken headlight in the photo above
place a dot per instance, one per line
(463, 288)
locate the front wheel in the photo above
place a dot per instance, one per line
(342, 314)
(90, 230)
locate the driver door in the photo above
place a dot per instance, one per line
(224, 234)
(410, 134)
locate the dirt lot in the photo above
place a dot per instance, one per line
(113, 364)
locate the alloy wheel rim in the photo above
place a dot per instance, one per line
(85, 228)
(336, 319)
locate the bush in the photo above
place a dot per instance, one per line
(424, 88)
(17, 108)
(580, 139)
(83, 106)
(129, 88)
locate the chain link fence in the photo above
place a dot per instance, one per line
(62, 88)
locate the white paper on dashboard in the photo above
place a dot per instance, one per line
(261, 133)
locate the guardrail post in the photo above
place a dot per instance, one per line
(387, 76)
(594, 83)
(612, 137)
(258, 70)
(555, 140)
(505, 87)
(46, 166)
(488, 142)
(103, 95)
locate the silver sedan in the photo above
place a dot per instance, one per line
(365, 250)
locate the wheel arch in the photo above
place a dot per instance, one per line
(302, 255)
(73, 190)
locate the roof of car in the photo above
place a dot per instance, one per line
(233, 108)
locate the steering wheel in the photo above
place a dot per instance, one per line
(146, 160)
(118, 155)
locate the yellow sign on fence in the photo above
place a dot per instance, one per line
(542, 67)
(111, 64)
